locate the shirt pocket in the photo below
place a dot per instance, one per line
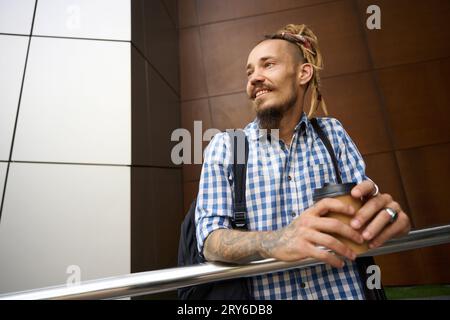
(319, 174)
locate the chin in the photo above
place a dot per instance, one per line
(264, 105)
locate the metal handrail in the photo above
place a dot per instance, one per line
(170, 279)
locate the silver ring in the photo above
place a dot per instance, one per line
(377, 190)
(392, 213)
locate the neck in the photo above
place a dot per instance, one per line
(288, 123)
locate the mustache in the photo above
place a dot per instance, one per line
(261, 87)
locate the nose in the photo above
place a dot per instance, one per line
(256, 78)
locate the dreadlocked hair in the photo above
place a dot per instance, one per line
(306, 41)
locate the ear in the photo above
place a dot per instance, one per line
(305, 74)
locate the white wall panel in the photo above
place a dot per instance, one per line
(12, 61)
(55, 216)
(76, 102)
(98, 19)
(16, 16)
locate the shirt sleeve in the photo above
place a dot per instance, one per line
(351, 163)
(214, 200)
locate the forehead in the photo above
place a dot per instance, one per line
(274, 48)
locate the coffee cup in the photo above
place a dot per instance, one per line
(342, 192)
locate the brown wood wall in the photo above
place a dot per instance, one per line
(389, 87)
(156, 191)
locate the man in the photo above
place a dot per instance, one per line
(283, 221)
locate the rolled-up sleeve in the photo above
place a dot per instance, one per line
(214, 200)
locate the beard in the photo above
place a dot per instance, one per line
(270, 117)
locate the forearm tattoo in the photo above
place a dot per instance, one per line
(240, 246)
(232, 246)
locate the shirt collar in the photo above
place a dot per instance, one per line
(254, 133)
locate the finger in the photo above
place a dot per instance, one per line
(330, 225)
(369, 209)
(327, 241)
(363, 189)
(381, 220)
(400, 227)
(328, 204)
(325, 256)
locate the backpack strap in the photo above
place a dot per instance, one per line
(239, 220)
(327, 144)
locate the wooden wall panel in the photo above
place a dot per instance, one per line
(231, 111)
(353, 99)
(190, 190)
(217, 10)
(192, 72)
(425, 174)
(195, 110)
(187, 13)
(417, 102)
(411, 31)
(156, 206)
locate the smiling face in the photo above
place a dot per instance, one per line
(273, 69)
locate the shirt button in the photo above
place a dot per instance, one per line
(289, 178)
(303, 285)
(293, 214)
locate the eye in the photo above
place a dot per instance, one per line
(249, 73)
(269, 64)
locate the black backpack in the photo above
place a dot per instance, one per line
(234, 289)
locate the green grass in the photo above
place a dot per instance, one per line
(394, 293)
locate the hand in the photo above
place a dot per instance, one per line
(311, 229)
(379, 228)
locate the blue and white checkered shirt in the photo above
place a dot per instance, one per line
(279, 186)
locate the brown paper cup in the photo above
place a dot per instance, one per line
(356, 204)
(341, 192)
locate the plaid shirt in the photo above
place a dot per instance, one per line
(279, 187)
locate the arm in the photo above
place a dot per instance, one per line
(236, 246)
(297, 241)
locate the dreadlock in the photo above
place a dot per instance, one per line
(306, 41)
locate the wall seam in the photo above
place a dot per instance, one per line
(17, 113)
(174, 22)
(211, 119)
(156, 70)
